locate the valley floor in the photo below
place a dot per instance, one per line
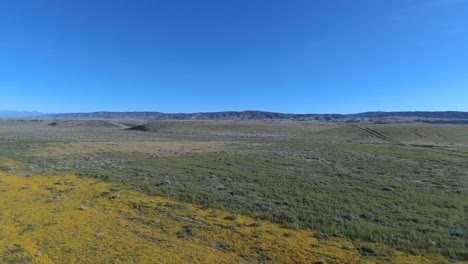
(232, 192)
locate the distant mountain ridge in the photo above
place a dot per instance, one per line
(443, 114)
(447, 117)
(18, 114)
(227, 115)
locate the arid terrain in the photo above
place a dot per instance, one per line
(138, 191)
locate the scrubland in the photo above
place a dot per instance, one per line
(233, 192)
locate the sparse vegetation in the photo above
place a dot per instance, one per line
(379, 189)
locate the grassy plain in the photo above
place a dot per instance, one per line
(360, 193)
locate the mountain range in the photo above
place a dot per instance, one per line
(448, 117)
(18, 114)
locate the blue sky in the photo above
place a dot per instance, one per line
(302, 56)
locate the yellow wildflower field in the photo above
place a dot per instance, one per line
(66, 219)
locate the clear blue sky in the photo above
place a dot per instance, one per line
(303, 56)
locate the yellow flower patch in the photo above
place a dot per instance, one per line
(77, 220)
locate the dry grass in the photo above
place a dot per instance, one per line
(234, 129)
(148, 147)
(424, 134)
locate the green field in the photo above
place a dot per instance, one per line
(405, 186)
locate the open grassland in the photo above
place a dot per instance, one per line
(65, 219)
(388, 193)
(148, 147)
